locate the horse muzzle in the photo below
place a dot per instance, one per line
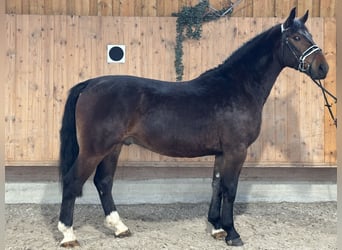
(318, 69)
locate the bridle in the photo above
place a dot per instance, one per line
(300, 58)
(302, 68)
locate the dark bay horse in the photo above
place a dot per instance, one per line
(218, 113)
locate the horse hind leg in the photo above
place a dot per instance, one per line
(214, 214)
(73, 183)
(103, 181)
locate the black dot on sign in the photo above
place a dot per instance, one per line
(116, 53)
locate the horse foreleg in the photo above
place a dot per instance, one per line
(103, 181)
(230, 175)
(214, 214)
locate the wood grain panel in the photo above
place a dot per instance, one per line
(49, 54)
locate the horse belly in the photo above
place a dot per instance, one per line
(177, 138)
(174, 148)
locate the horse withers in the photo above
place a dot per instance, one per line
(218, 113)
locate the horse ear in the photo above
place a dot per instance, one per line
(289, 20)
(304, 17)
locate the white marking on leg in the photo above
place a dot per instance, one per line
(216, 231)
(114, 222)
(68, 233)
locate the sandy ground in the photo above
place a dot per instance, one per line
(177, 226)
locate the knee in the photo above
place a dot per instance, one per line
(104, 185)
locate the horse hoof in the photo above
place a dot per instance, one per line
(124, 234)
(70, 244)
(218, 234)
(235, 242)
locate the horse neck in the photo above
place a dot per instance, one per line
(261, 86)
(256, 65)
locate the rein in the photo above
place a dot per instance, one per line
(325, 92)
(301, 67)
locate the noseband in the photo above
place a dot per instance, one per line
(301, 59)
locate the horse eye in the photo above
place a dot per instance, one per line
(296, 38)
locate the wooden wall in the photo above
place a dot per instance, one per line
(46, 55)
(164, 8)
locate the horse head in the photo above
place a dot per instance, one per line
(299, 51)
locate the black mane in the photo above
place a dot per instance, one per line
(256, 47)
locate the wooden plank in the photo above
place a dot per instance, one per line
(316, 25)
(37, 7)
(35, 140)
(72, 48)
(93, 8)
(315, 11)
(159, 49)
(82, 8)
(169, 28)
(244, 9)
(293, 115)
(47, 86)
(148, 8)
(305, 111)
(282, 8)
(116, 7)
(61, 75)
(127, 8)
(106, 8)
(3, 72)
(161, 8)
(99, 48)
(12, 7)
(327, 8)
(303, 6)
(10, 107)
(84, 46)
(70, 7)
(21, 95)
(330, 84)
(59, 7)
(25, 6)
(170, 7)
(48, 7)
(263, 8)
(10, 87)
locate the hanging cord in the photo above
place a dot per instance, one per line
(219, 13)
(327, 104)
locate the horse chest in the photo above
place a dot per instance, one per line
(240, 125)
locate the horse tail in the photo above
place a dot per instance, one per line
(69, 146)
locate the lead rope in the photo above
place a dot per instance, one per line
(327, 104)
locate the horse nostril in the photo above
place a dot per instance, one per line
(323, 68)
